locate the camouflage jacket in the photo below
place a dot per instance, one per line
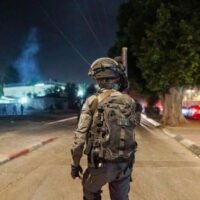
(84, 126)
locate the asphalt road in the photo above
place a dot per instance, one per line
(164, 169)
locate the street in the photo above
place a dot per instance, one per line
(164, 169)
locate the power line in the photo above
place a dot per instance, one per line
(96, 10)
(89, 26)
(85, 3)
(63, 35)
(105, 13)
(97, 17)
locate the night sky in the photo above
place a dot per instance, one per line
(70, 34)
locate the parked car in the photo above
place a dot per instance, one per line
(185, 111)
(191, 112)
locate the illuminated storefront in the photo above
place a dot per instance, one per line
(191, 97)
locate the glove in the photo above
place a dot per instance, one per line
(76, 171)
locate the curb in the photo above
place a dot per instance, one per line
(151, 121)
(6, 158)
(185, 142)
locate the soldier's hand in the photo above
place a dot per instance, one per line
(76, 171)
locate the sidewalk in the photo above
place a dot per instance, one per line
(191, 131)
(187, 134)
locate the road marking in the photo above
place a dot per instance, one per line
(17, 154)
(168, 133)
(3, 159)
(62, 120)
(6, 158)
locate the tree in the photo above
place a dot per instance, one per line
(54, 91)
(130, 32)
(11, 75)
(90, 90)
(164, 38)
(71, 91)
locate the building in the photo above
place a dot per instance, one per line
(32, 96)
(30, 90)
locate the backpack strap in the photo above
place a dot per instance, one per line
(100, 97)
(104, 95)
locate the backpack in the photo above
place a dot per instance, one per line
(112, 137)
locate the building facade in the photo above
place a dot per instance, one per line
(32, 96)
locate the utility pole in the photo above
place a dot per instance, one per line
(124, 59)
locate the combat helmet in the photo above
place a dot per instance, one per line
(106, 68)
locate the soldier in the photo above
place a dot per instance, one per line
(4, 110)
(106, 126)
(14, 110)
(22, 109)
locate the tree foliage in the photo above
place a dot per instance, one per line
(132, 17)
(54, 91)
(169, 51)
(90, 90)
(163, 38)
(71, 90)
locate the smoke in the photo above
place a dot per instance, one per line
(27, 63)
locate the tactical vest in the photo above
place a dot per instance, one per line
(111, 137)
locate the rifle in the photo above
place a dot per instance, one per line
(94, 148)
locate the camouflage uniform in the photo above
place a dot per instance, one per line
(117, 174)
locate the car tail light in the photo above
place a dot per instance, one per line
(194, 110)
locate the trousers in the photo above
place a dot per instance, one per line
(117, 175)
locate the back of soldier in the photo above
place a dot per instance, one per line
(112, 131)
(106, 129)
